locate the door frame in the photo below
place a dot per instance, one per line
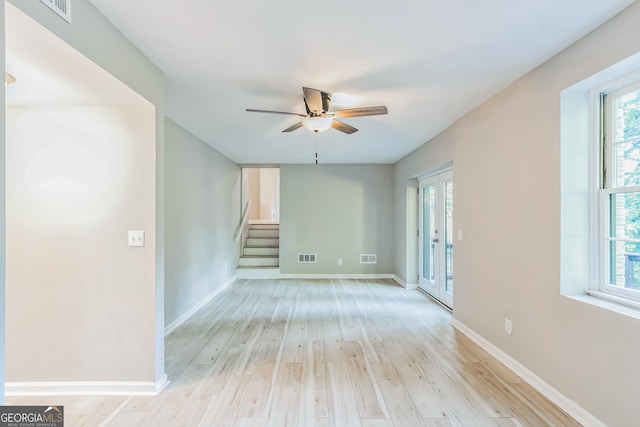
(441, 234)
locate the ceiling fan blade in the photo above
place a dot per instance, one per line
(316, 101)
(253, 110)
(361, 111)
(293, 127)
(343, 127)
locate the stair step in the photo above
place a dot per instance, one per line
(261, 250)
(264, 226)
(262, 241)
(259, 261)
(261, 254)
(264, 232)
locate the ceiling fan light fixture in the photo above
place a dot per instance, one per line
(317, 123)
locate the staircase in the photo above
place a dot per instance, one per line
(260, 257)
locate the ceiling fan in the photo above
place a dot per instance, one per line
(319, 118)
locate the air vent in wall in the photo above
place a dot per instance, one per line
(306, 258)
(368, 259)
(61, 7)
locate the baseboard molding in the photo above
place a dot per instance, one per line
(580, 414)
(86, 388)
(180, 320)
(410, 286)
(393, 277)
(337, 276)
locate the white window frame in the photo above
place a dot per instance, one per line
(604, 188)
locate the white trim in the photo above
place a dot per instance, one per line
(162, 383)
(409, 286)
(580, 414)
(445, 167)
(606, 305)
(398, 280)
(615, 299)
(337, 276)
(86, 388)
(180, 320)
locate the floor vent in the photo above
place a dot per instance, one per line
(306, 258)
(61, 7)
(368, 259)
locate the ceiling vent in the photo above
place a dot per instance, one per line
(61, 7)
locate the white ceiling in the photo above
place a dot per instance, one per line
(429, 61)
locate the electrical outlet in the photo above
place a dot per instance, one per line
(508, 326)
(340, 261)
(136, 238)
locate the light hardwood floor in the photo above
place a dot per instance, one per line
(320, 353)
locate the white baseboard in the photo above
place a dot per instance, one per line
(410, 286)
(399, 281)
(580, 414)
(351, 276)
(86, 388)
(337, 276)
(162, 383)
(180, 320)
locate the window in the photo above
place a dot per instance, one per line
(619, 193)
(600, 189)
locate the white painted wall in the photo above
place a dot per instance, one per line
(506, 160)
(336, 211)
(269, 192)
(202, 213)
(252, 192)
(80, 302)
(262, 187)
(95, 37)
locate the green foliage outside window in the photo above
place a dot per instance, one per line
(628, 110)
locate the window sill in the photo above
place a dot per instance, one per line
(609, 302)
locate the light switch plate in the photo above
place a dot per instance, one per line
(136, 238)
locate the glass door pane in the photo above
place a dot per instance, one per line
(448, 202)
(428, 228)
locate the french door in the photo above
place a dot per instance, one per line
(436, 236)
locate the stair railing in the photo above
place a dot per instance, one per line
(243, 221)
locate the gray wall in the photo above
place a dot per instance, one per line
(506, 161)
(202, 212)
(92, 35)
(336, 211)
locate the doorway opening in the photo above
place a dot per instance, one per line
(435, 245)
(261, 186)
